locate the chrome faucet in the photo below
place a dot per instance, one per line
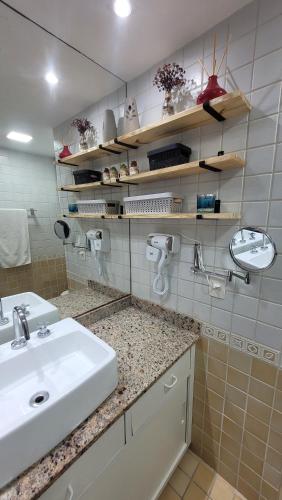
(264, 245)
(21, 328)
(3, 320)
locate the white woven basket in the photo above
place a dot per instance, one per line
(102, 207)
(160, 203)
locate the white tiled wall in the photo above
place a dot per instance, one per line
(117, 262)
(254, 64)
(29, 181)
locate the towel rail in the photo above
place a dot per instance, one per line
(31, 212)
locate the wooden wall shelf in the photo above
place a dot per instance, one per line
(231, 104)
(77, 188)
(222, 163)
(180, 216)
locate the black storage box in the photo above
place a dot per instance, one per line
(86, 176)
(169, 156)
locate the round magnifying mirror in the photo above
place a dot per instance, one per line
(252, 249)
(62, 229)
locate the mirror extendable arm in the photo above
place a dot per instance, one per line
(245, 277)
(198, 267)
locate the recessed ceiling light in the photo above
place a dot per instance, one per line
(51, 78)
(18, 136)
(122, 8)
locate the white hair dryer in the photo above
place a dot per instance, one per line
(99, 240)
(159, 249)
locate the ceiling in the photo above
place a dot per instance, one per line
(28, 103)
(126, 47)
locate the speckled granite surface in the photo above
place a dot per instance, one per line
(147, 344)
(80, 301)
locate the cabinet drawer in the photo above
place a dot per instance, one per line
(151, 401)
(89, 466)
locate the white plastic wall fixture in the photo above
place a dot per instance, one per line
(99, 240)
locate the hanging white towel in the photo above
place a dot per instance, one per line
(14, 238)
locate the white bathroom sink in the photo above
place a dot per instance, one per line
(40, 311)
(74, 367)
(258, 260)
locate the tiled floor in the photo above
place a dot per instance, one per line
(195, 480)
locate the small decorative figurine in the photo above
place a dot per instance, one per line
(133, 169)
(185, 97)
(123, 171)
(113, 174)
(131, 119)
(106, 175)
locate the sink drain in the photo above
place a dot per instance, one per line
(39, 398)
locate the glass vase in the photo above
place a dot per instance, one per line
(83, 146)
(168, 106)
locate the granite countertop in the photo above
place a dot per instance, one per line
(148, 340)
(78, 302)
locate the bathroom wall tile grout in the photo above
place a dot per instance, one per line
(253, 313)
(248, 414)
(247, 204)
(29, 181)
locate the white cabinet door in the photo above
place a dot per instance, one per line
(152, 401)
(144, 464)
(90, 465)
(157, 430)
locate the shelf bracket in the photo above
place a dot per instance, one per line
(70, 190)
(65, 163)
(129, 183)
(215, 114)
(203, 164)
(124, 144)
(109, 150)
(111, 184)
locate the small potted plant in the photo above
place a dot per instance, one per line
(83, 125)
(169, 77)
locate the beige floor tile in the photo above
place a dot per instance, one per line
(194, 493)
(221, 489)
(179, 481)
(238, 496)
(169, 494)
(189, 463)
(204, 477)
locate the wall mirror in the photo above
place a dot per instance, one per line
(62, 229)
(252, 249)
(45, 85)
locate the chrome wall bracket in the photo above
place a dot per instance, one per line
(198, 268)
(242, 276)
